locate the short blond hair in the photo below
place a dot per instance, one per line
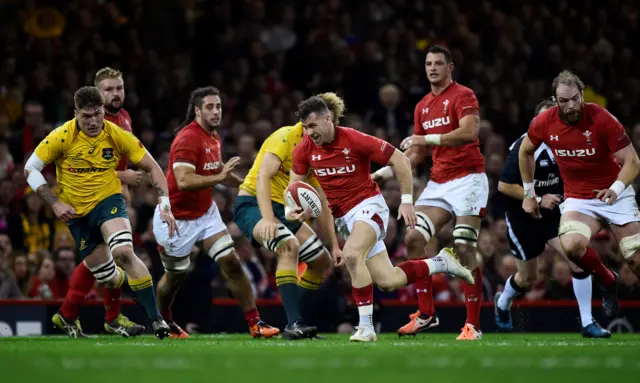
(335, 104)
(567, 78)
(106, 73)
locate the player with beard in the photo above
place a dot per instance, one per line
(528, 236)
(447, 119)
(110, 83)
(195, 166)
(597, 163)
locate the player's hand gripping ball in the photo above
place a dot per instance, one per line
(303, 197)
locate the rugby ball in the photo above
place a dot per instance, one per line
(301, 194)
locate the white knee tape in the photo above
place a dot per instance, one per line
(575, 227)
(310, 249)
(120, 238)
(223, 246)
(425, 226)
(465, 234)
(281, 237)
(629, 245)
(105, 272)
(176, 265)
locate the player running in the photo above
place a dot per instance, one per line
(589, 145)
(259, 213)
(448, 120)
(86, 151)
(528, 237)
(340, 158)
(111, 85)
(195, 166)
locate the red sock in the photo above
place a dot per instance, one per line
(252, 316)
(414, 270)
(473, 298)
(80, 286)
(592, 263)
(167, 315)
(425, 296)
(111, 303)
(363, 296)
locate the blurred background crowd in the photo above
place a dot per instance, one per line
(266, 56)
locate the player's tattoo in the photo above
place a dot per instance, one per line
(45, 192)
(158, 189)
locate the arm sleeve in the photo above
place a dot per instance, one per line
(300, 162)
(184, 154)
(511, 169)
(379, 151)
(617, 137)
(466, 104)
(536, 131)
(52, 147)
(279, 145)
(417, 126)
(131, 147)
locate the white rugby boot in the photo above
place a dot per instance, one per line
(447, 262)
(364, 334)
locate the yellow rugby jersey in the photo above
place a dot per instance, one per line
(86, 166)
(281, 143)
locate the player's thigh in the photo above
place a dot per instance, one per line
(576, 229)
(382, 271)
(86, 235)
(430, 220)
(111, 217)
(182, 242)
(528, 269)
(555, 244)
(311, 248)
(361, 241)
(470, 195)
(246, 214)
(97, 257)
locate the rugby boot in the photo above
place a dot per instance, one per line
(123, 326)
(69, 327)
(160, 329)
(503, 317)
(418, 322)
(610, 305)
(453, 266)
(263, 330)
(364, 334)
(594, 330)
(299, 330)
(469, 332)
(176, 331)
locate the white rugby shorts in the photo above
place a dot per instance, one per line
(375, 212)
(623, 211)
(466, 196)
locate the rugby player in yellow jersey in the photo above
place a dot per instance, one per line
(259, 213)
(86, 151)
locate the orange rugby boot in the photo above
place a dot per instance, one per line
(264, 330)
(469, 332)
(418, 323)
(176, 331)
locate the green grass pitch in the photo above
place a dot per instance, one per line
(439, 358)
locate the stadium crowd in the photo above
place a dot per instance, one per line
(266, 57)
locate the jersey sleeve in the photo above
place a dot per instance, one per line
(300, 161)
(417, 126)
(379, 151)
(536, 131)
(466, 105)
(279, 145)
(617, 137)
(184, 153)
(511, 169)
(52, 147)
(130, 146)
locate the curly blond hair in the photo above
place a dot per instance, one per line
(335, 104)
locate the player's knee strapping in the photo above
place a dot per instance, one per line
(310, 249)
(425, 226)
(281, 237)
(222, 247)
(575, 227)
(176, 265)
(119, 239)
(629, 245)
(465, 234)
(107, 271)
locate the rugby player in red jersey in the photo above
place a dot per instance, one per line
(597, 163)
(447, 120)
(195, 166)
(340, 159)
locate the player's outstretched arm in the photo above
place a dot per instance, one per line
(526, 163)
(269, 167)
(402, 168)
(415, 154)
(628, 158)
(187, 179)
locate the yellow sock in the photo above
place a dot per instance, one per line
(142, 283)
(310, 281)
(286, 276)
(123, 277)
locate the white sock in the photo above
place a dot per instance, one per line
(582, 289)
(366, 315)
(436, 265)
(511, 290)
